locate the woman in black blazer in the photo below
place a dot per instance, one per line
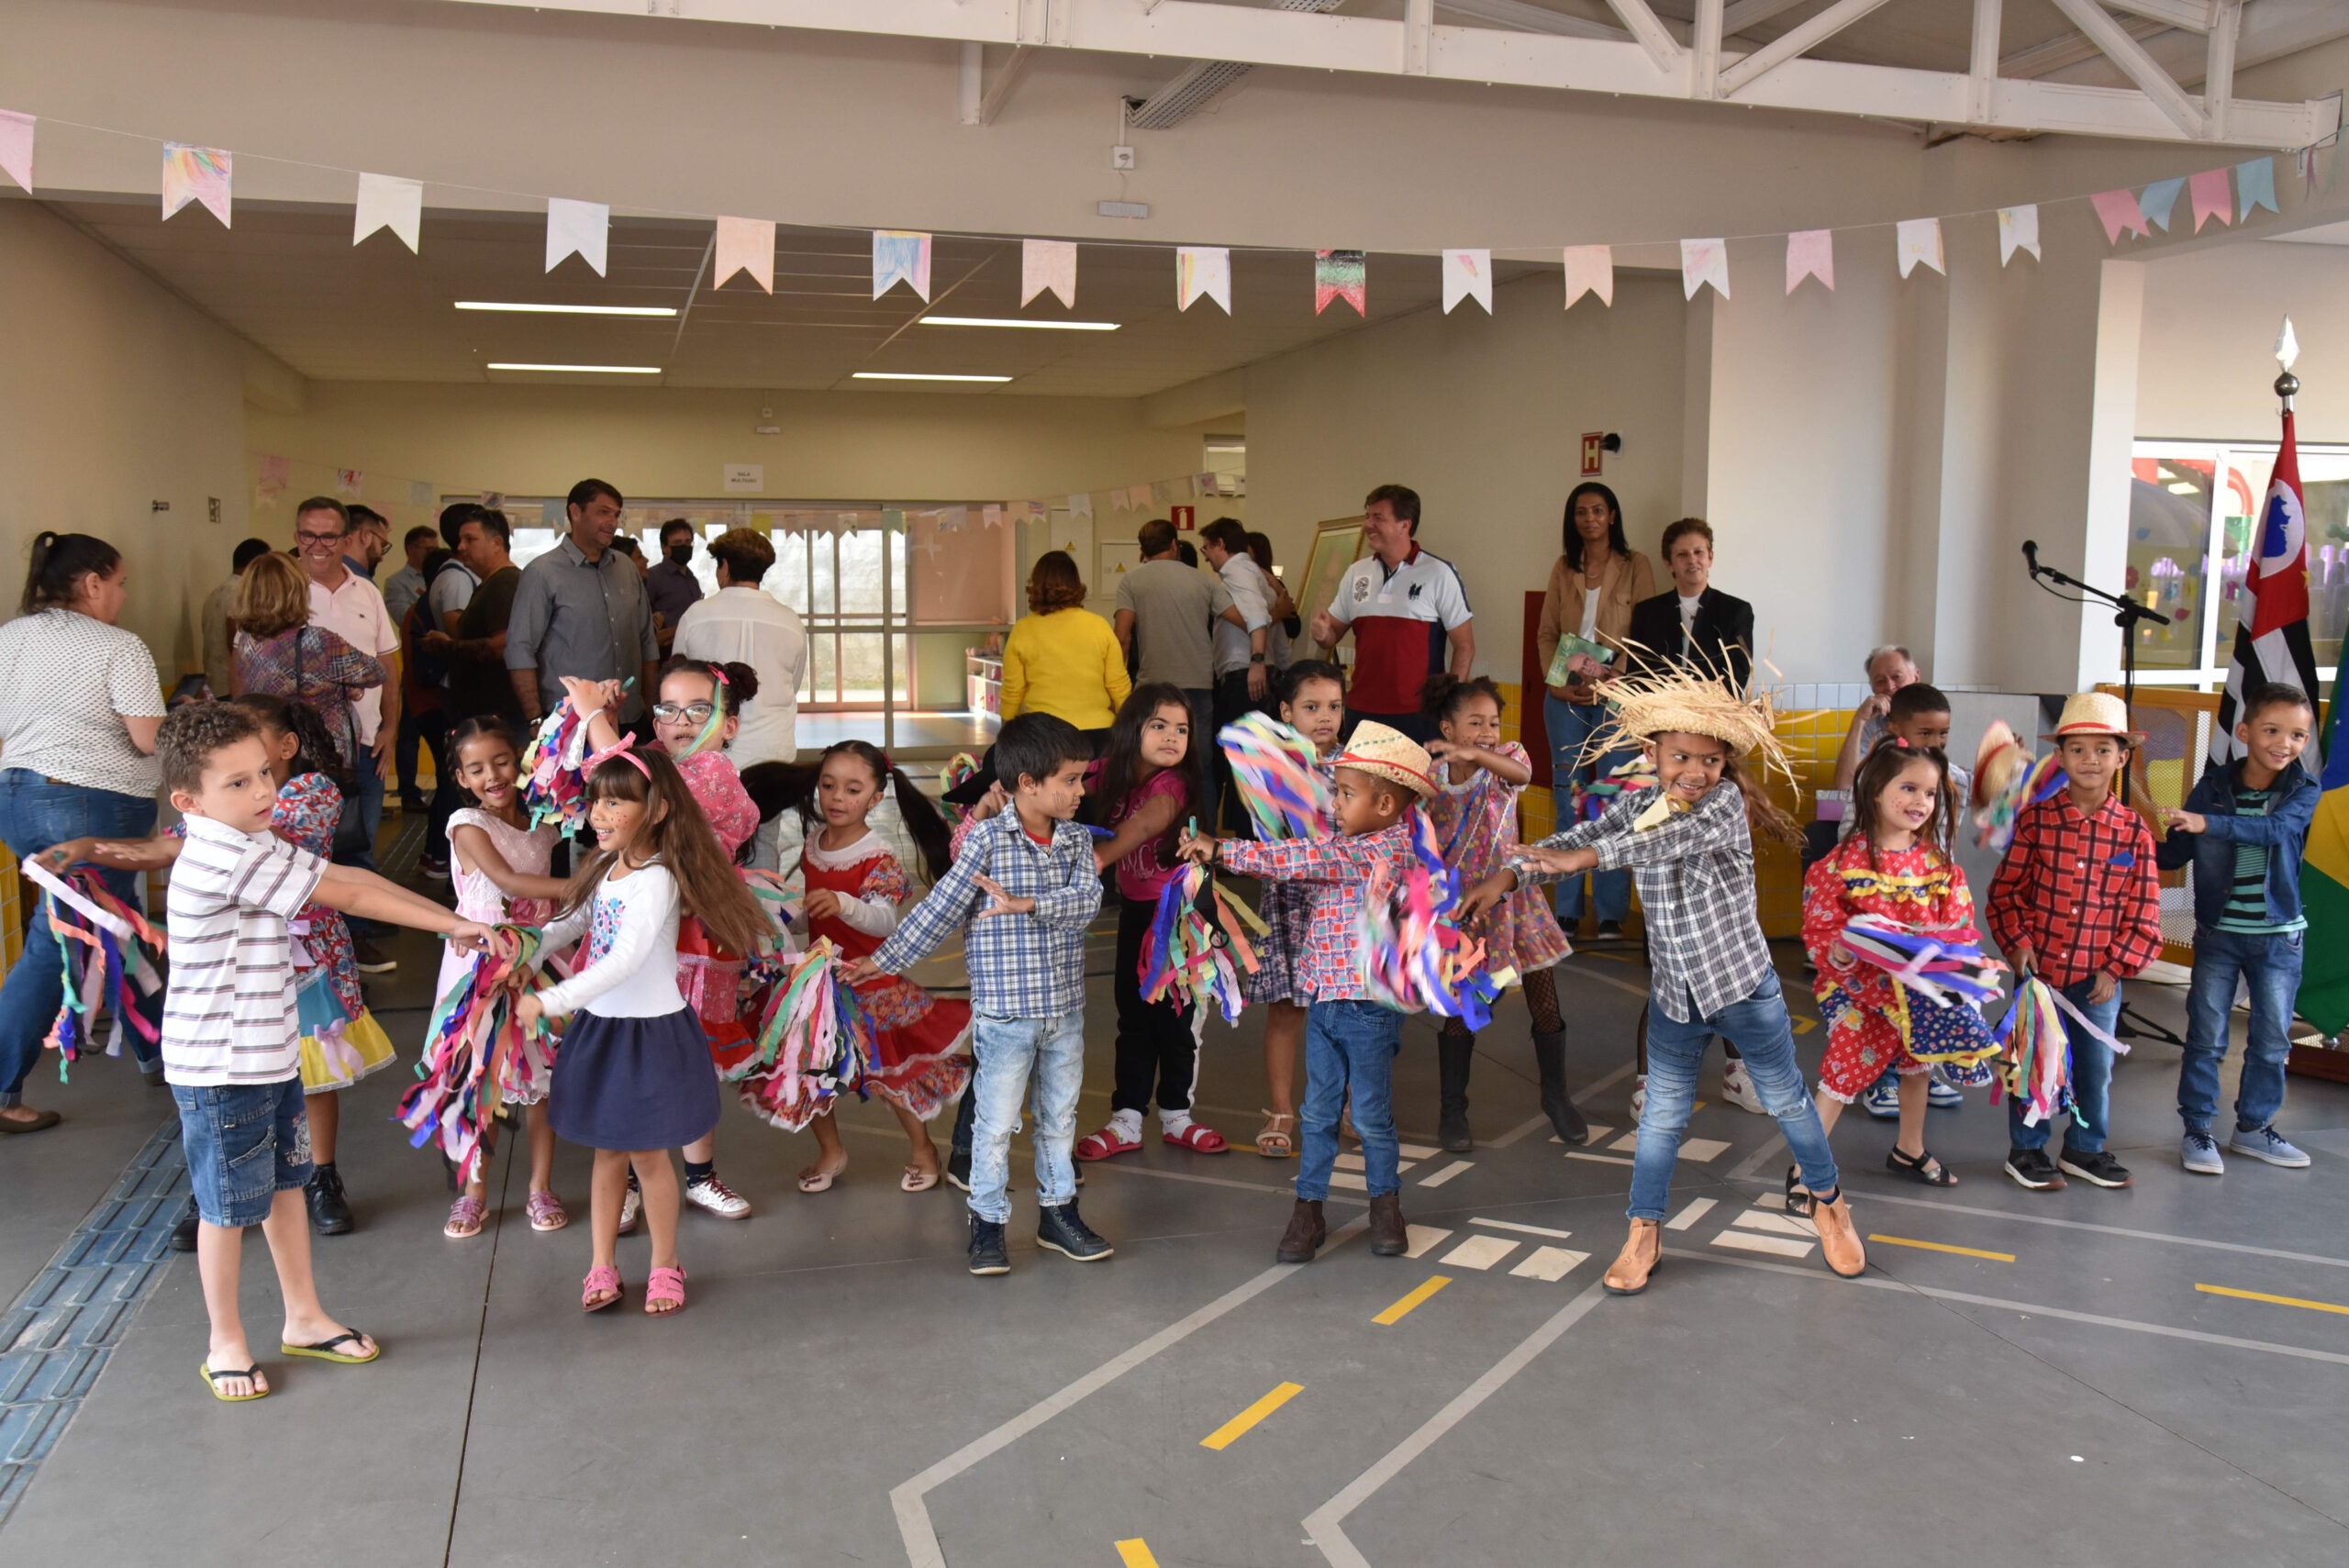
(1720, 639)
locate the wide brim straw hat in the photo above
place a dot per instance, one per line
(1388, 754)
(2095, 713)
(1672, 700)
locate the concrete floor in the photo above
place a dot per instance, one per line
(840, 1391)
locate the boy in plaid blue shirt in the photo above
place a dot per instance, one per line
(1022, 890)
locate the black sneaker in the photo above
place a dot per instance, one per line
(369, 959)
(1063, 1230)
(2099, 1168)
(329, 1210)
(958, 1170)
(183, 1233)
(2031, 1168)
(1609, 931)
(413, 804)
(987, 1254)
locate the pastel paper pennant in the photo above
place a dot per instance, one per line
(1138, 498)
(746, 245)
(900, 256)
(2211, 197)
(349, 482)
(1080, 505)
(1048, 264)
(1811, 253)
(16, 147)
(196, 174)
(1204, 484)
(1919, 239)
(1342, 275)
(2255, 187)
(1590, 269)
(577, 228)
(2017, 230)
(388, 202)
(1202, 269)
(991, 515)
(1467, 274)
(2308, 169)
(277, 472)
(1704, 261)
(954, 519)
(1162, 491)
(2121, 213)
(2156, 200)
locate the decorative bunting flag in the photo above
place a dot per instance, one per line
(1080, 505)
(1919, 239)
(1704, 261)
(1467, 274)
(1048, 264)
(1811, 253)
(991, 515)
(348, 482)
(954, 519)
(900, 256)
(388, 202)
(16, 147)
(2255, 187)
(1590, 269)
(1162, 493)
(276, 473)
(577, 228)
(1138, 498)
(2017, 230)
(2211, 197)
(746, 245)
(2121, 213)
(1204, 484)
(1202, 269)
(196, 174)
(419, 493)
(2156, 200)
(2308, 169)
(1342, 275)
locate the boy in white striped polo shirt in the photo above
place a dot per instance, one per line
(230, 1032)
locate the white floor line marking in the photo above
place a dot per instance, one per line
(2027, 1307)
(1480, 1252)
(1535, 1124)
(1704, 1151)
(1697, 1208)
(1326, 1524)
(1531, 1124)
(1423, 1238)
(1597, 1158)
(1626, 1143)
(1419, 1151)
(1776, 1224)
(1447, 1173)
(1551, 1263)
(1625, 986)
(1872, 1196)
(1522, 1229)
(906, 1498)
(1144, 1171)
(1344, 1179)
(1759, 1158)
(1745, 1242)
(1350, 1162)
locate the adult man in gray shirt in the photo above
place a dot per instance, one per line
(582, 611)
(1165, 610)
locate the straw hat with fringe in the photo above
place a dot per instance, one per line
(1670, 699)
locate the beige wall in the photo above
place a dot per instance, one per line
(2207, 369)
(115, 395)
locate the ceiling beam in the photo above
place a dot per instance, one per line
(2219, 68)
(1983, 76)
(1705, 51)
(1796, 41)
(1743, 13)
(2067, 48)
(2139, 67)
(1532, 19)
(1648, 31)
(2268, 30)
(2194, 16)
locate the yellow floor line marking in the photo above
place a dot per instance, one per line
(2278, 1300)
(1804, 1026)
(1961, 1252)
(1135, 1553)
(1404, 1307)
(1231, 1431)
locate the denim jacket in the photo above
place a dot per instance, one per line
(2284, 831)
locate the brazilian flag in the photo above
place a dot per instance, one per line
(2324, 887)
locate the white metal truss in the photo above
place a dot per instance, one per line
(1416, 45)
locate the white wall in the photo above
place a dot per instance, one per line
(2205, 371)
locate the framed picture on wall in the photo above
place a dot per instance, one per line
(1337, 544)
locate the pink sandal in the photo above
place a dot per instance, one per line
(546, 1212)
(664, 1285)
(1198, 1140)
(605, 1280)
(1106, 1143)
(465, 1217)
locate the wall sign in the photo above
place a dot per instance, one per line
(750, 478)
(1592, 451)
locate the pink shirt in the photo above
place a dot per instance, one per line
(1140, 876)
(717, 790)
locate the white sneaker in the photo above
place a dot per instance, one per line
(718, 1198)
(1738, 1089)
(1639, 1096)
(630, 1207)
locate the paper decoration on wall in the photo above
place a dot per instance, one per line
(1202, 269)
(991, 515)
(1048, 264)
(276, 473)
(16, 147)
(1917, 240)
(196, 174)
(2121, 213)
(577, 228)
(924, 536)
(1704, 261)
(1080, 505)
(1162, 493)
(419, 493)
(900, 256)
(1138, 498)
(2211, 197)
(2156, 200)
(746, 245)
(1590, 269)
(1467, 274)
(387, 201)
(2308, 169)
(2255, 188)
(1342, 275)
(348, 482)
(1811, 253)
(954, 520)
(2017, 230)
(1206, 484)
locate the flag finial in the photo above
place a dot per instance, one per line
(2287, 349)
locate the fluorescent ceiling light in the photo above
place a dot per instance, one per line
(908, 375)
(528, 308)
(581, 370)
(1018, 321)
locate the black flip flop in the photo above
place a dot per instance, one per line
(1915, 1169)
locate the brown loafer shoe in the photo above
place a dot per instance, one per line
(1643, 1251)
(1304, 1236)
(1389, 1237)
(1839, 1242)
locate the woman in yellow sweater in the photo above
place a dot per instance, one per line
(1061, 658)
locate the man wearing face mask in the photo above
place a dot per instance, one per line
(670, 581)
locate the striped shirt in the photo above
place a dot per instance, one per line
(228, 1014)
(2247, 900)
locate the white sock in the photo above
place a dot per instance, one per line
(1128, 1125)
(1173, 1123)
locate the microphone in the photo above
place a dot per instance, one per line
(2031, 555)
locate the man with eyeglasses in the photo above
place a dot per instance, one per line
(581, 610)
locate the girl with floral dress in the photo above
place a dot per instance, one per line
(1312, 703)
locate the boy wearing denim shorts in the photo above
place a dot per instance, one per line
(230, 1032)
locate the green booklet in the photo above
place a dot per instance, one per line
(1570, 644)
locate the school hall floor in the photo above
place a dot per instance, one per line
(2156, 1376)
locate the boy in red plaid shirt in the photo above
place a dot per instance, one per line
(2078, 903)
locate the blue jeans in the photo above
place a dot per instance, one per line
(1010, 1052)
(1350, 1048)
(34, 815)
(362, 814)
(2272, 964)
(2092, 1078)
(245, 1144)
(1570, 727)
(1760, 1029)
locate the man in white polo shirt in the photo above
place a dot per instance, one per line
(353, 607)
(1409, 615)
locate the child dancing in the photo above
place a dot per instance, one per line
(1312, 703)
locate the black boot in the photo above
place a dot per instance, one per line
(1549, 1056)
(1454, 1052)
(329, 1210)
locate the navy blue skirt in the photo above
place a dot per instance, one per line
(633, 1083)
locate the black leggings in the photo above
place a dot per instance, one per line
(1541, 1000)
(1156, 1051)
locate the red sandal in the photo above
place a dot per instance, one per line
(1198, 1140)
(1105, 1143)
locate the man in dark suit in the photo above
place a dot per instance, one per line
(1693, 624)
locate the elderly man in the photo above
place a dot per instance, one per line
(1408, 612)
(581, 611)
(1889, 668)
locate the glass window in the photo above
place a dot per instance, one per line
(2169, 539)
